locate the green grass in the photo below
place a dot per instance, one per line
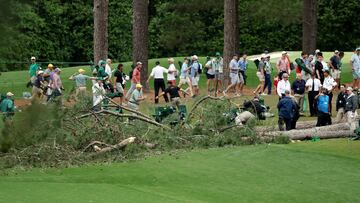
(15, 81)
(325, 171)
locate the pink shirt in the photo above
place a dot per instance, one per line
(283, 64)
(136, 76)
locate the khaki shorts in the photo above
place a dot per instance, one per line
(219, 76)
(260, 76)
(336, 74)
(119, 88)
(80, 91)
(234, 78)
(195, 81)
(184, 80)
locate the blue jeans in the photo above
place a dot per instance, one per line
(268, 83)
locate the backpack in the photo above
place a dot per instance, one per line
(200, 68)
(257, 61)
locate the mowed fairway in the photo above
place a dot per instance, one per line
(325, 171)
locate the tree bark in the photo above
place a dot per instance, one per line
(309, 25)
(231, 37)
(101, 8)
(140, 38)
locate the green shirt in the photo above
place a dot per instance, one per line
(136, 94)
(33, 68)
(101, 72)
(80, 80)
(7, 105)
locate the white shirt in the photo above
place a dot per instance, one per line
(282, 86)
(98, 92)
(158, 72)
(325, 65)
(317, 84)
(108, 70)
(329, 83)
(172, 69)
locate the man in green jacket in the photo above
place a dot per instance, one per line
(34, 67)
(7, 106)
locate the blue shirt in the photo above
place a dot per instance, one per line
(242, 64)
(183, 70)
(233, 66)
(323, 103)
(286, 108)
(194, 69)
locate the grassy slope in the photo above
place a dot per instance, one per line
(15, 81)
(325, 171)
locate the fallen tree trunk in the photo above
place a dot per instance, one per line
(324, 132)
(108, 147)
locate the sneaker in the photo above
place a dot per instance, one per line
(224, 93)
(263, 94)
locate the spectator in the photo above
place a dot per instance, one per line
(351, 107)
(298, 87)
(341, 56)
(172, 72)
(355, 67)
(340, 104)
(136, 97)
(334, 65)
(80, 80)
(119, 81)
(158, 74)
(313, 86)
(135, 79)
(283, 85)
(268, 69)
(7, 106)
(185, 77)
(234, 75)
(323, 108)
(194, 75)
(173, 92)
(210, 75)
(283, 65)
(217, 65)
(108, 70)
(319, 68)
(287, 108)
(329, 84)
(56, 84)
(98, 94)
(242, 70)
(260, 74)
(38, 86)
(48, 72)
(34, 67)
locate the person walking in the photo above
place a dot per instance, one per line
(210, 75)
(340, 104)
(351, 109)
(313, 86)
(34, 67)
(172, 71)
(37, 89)
(298, 88)
(334, 65)
(56, 84)
(185, 77)
(261, 75)
(158, 74)
(135, 79)
(80, 81)
(329, 84)
(243, 64)
(194, 75)
(234, 75)
(283, 85)
(218, 66)
(323, 108)
(173, 92)
(108, 70)
(136, 97)
(283, 65)
(268, 70)
(7, 106)
(355, 67)
(287, 108)
(119, 81)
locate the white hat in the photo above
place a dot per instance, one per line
(263, 56)
(33, 58)
(336, 51)
(9, 94)
(57, 70)
(349, 89)
(283, 52)
(138, 63)
(194, 57)
(40, 72)
(317, 51)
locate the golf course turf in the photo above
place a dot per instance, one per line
(324, 171)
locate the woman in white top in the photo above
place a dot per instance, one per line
(172, 72)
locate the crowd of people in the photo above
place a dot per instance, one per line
(313, 75)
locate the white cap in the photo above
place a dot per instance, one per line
(349, 89)
(9, 94)
(194, 57)
(283, 52)
(33, 58)
(57, 70)
(263, 56)
(138, 63)
(317, 51)
(336, 51)
(41, 72)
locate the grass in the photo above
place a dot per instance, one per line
(325, 171)
(15, 81)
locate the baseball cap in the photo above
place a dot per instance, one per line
(33, 58)
(40, 72)
(50, 65)
(263, 56)
(287, 92)
(9, 94)
(283, 52)
(217, 54)
(81, 70)
(138, 63)
(358, 49)
(336, 51)
(285, 75)
(57, 70)
(138, 85)
(317, 51)
(349, 89)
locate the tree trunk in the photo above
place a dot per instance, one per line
(230, 35)
(309, 25)
(140, 38)
(100, 11)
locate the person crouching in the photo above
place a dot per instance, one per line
(287, 109)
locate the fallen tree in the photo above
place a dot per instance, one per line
(96, 145)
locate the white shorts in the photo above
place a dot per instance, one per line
(234, 78)
(195, 81)
(119, 88)
(260, 76)
(184, 80)
(336, 74)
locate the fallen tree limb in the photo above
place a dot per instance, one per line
(108, 147)
(324, 132)
(129, 109)
(200, 101)
(125, 116)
